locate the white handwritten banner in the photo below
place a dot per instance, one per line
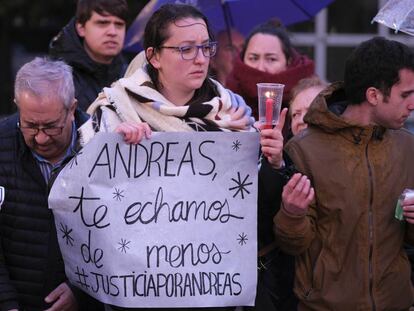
(170, 222)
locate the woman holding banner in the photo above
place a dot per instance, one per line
(167, 87)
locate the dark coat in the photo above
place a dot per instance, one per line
(31, 265)
(276, 269)
(89, 77)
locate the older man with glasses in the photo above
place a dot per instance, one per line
(34, 142)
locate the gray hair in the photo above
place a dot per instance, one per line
(44, 77)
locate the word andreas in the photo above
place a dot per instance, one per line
(157, 159)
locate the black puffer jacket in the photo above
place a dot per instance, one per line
(31, 265)
(276, 269)
(89, 77)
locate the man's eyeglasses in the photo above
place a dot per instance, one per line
(190, 52)
(49, 131)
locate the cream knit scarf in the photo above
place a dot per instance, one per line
(134, 99)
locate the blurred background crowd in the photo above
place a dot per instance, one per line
(26, 28)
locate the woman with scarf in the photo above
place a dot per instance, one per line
(268, 56)
(167, 87)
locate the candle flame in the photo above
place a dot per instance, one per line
(269, 94)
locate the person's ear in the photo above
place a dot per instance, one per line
(153, 57)
(373, 95)
(73, 108)
(80, 29)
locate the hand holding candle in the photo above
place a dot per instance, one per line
(270, 100)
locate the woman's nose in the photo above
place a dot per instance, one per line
(261, 66)
(200, 58)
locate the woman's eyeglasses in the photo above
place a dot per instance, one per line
(190, 52)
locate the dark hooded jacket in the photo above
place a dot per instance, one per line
(89, 76)
(349, 245)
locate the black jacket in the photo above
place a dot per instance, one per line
(89, 77)
(275, 268)
(31, 265)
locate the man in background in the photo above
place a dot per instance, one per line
(222, 63)
(91, 43)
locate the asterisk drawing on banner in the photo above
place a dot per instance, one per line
(236, 145)
(240, 185)
(124, 245)
(242, 238)
(74, 161)
(66, 234)
(118, 194)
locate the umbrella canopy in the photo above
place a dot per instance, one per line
(240, 14)
(398, 15)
